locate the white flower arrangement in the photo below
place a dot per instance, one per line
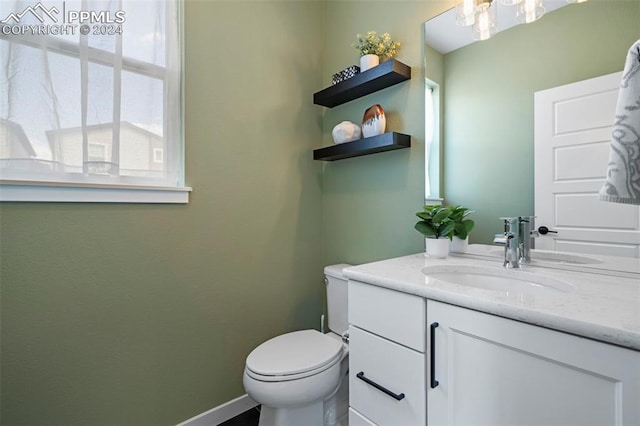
(382, 46)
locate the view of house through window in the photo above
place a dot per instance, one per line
(90, 91)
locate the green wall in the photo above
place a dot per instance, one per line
(369, 202)
(144, 314)
(489, 86)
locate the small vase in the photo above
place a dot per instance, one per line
(437, 248)
(374, 121)
(459, 245)
(368, 62)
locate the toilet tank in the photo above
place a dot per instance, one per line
(337, 298)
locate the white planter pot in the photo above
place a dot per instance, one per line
(368, 62)
(437, 248)
(458, 245)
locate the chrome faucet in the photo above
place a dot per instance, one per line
(512, 243)
(527, 233)
(517, 238)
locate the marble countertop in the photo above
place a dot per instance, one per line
(606, 265)
(600, 306)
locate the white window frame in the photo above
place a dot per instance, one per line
(83, 192)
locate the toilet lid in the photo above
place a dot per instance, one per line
(294, 353)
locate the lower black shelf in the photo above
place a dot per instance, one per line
(385, 142)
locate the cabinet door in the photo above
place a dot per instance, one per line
(495, 371)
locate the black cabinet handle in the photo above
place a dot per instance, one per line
(434, 382)
(396, 396)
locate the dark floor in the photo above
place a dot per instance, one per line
(248, 418)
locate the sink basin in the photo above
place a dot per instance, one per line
(498, 279)
(546, 256)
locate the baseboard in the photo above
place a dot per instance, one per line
(222, 413)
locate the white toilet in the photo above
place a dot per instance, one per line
(300, 378)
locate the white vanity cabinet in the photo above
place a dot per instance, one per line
(386, 357)
(488, 370)
(465, 353)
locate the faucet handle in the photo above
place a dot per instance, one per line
(510, 224)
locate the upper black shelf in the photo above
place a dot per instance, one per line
(377, 78)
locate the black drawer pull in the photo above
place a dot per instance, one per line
(360, 376)
(434, 382)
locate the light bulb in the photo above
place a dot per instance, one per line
(465, 11)
(575, 1)
(484, 26)
(529, 11)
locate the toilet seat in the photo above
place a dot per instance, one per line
(293, 356)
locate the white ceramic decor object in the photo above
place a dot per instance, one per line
(346, 132)
(368, 62)
(374, 121)
(437, 248)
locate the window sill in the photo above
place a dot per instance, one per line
(433, 201)
(59, 192)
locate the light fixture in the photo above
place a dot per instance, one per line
(465, 12)
(484, 25)
(481, 14)
(529, 11)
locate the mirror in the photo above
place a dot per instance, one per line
(487, 107)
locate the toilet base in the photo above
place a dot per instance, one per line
(336, 408)
(332, 411)
(310, 415)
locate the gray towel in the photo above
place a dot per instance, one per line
(623, 174)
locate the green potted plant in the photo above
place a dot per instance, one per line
(437, 226)
(461, 228)
(372, 48)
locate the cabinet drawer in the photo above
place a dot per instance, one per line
(357, 419)
(397, 316)
(397, 369)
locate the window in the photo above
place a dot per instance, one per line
(90, 99)
(432, 143)
(97, 152)
(157, 155)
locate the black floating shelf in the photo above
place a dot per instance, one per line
(385, 142)
(377, 78)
